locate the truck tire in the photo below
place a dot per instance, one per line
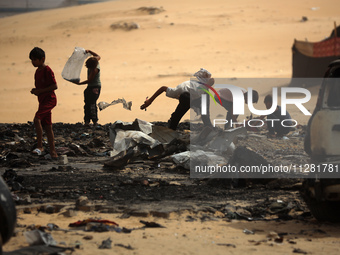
(8, 214)
(322, 210)
(307, 145)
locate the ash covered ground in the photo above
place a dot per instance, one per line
(145, 185)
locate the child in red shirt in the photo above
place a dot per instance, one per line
(45, 84)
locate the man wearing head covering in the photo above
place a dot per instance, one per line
(188, 94)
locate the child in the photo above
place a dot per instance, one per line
(45, 84)
(188, 95)
(92, 92)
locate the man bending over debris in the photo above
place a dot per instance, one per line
(189, 95)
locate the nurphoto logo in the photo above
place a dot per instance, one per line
(238, 104)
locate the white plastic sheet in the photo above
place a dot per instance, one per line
(138, 138)
(37, 237)
(74, 64)
(126, 105)
(198, 158)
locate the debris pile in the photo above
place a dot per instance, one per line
(142, 169)
(151, 10)
(127, 26)
(124, 161)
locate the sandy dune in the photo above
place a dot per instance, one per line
(229, 38)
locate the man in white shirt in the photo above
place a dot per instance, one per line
(189, 95)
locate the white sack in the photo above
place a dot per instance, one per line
(74, 64)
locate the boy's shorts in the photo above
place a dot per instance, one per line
(44, 112)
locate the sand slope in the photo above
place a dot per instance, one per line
(242, 38)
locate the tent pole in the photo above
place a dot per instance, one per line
(335, 39)
(335, 32)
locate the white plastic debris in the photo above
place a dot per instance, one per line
(126, 105)
(131, 139)
(63, 160)
(74, 64)
(37, 237)
(137, 125)
(217, 140)
(182, 159)
(197, 158)
(125, 139)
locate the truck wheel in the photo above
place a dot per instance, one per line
(322, 210)
(307, 145)
(7, 213)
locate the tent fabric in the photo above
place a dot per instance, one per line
(311, 59)
(304, 47)
(310, 67)
(327, 48)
